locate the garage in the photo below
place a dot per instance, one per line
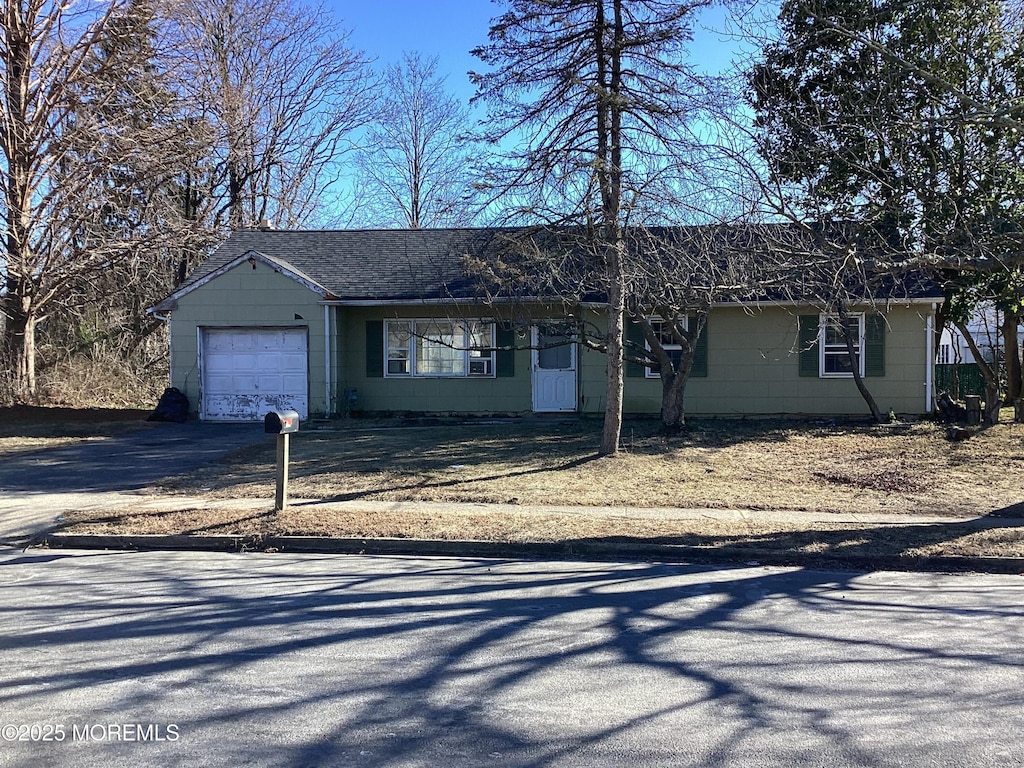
(249, 371)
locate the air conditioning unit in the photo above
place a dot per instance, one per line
(480, 367)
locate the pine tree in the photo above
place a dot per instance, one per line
(595, 96)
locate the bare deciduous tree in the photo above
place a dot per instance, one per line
(415, 166)
(139, 174)
(279, 89)
(48, 59)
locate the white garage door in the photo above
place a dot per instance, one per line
(249, 371)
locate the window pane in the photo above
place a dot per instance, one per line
(555, 358)
(398, 349)
(398, 335)
(439, 349)
(663, 331)
(675, 354)
(550, 357)
(479, 338)
(836, 360)
(834, 333)
(481, 348)
(837, 363)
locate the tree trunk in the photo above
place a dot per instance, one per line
(19, 335)
(20, 349)
(673, 387)
(236, 216)
(865, 393)
(990, 374)
(1011, 352)
(609, 173)
(615, 341)
(673, 410)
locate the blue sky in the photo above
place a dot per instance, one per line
(449, 29)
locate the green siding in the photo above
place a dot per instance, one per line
(753, 368)
(754, 356)
(247, 297)
(508, 391)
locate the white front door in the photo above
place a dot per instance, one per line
(554, 369)
(249, 371)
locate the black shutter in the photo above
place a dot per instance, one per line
(807, 338)
(505, 355)
(700, 354)
(874, 345)
(635, 344)
(375, 349)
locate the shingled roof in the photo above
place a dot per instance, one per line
(398, 265)
(365, 264)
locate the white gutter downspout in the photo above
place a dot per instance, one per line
(327, 361)
(929, 376)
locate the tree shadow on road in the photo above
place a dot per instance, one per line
(398, 661)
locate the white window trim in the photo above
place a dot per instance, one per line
(463, 325)
(648, 372)
(823, 321)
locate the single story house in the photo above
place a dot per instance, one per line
(330, 322)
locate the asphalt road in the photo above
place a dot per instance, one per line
(180, 659)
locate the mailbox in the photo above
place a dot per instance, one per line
(281, 422)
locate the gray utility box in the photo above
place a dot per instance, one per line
(281, 422)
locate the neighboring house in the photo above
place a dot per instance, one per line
(984, 327)
(957, 372)
(326, 322)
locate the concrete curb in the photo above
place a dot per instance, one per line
(540, 551)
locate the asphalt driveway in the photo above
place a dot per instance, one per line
(35, 487)
(132, 461)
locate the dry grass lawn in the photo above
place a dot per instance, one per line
(821, 467)
(956, 538)
(718, 464)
